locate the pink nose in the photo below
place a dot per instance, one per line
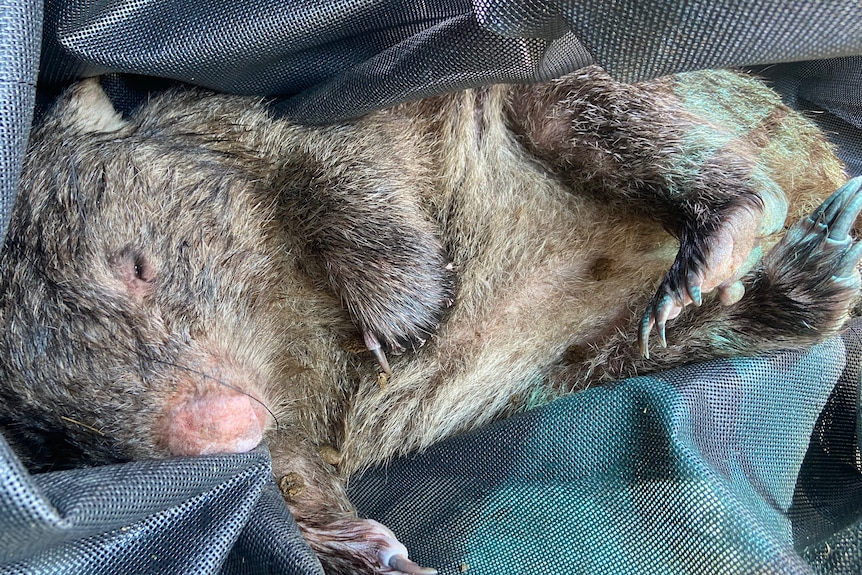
(221, 420)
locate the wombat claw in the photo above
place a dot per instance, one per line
(402, 564)
(834, 220)
(837, 214)
(664, 307)
(374, 347)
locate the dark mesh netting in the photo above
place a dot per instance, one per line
(20, 32)
(828, 91)
(204, 515)
(737, 466)
(339, 59)
(703, 469)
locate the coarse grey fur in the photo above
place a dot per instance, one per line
(176, 282)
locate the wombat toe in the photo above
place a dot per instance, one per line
(363, 546)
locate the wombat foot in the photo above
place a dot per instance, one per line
(362, 546)
(397, 297)
(827, 231)
(810, 279)
(711, 257)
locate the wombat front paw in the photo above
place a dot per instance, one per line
(713, 257)
(363, 546)
(398, 303)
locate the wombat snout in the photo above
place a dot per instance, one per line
(210, 412)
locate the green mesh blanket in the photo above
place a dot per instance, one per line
(735, 466)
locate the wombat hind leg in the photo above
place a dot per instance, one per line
(362, 541)
(809, 280)
(799, 294)
(315, 493)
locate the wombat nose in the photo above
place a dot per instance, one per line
(220, 420)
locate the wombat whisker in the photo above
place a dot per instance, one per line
(207, 376)
(220, 382)
(84, 425)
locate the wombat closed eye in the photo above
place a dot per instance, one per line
(176, 282)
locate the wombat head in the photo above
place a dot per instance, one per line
(137, 283)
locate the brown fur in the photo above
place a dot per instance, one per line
(203, 249)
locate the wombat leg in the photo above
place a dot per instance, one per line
(371, 240)
(314, 492)
(669, 151)
(369, 547)
(799, 294)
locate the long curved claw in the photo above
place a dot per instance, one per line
(838, 217)
(694, 292)
(830, 206)
(646, 325)
(846, 267)
(374, 347)
(402, 564)
(664, 308)
(837, 212)
(842, 222)
(660, 309)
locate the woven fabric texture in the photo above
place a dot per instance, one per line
(20, 34)
(220, 514)
(733, 466)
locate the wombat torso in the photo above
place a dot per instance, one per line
(177, 282)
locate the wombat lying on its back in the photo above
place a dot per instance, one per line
(175, 282)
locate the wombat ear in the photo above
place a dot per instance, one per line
(85, 108)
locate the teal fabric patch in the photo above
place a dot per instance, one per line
(697, 470)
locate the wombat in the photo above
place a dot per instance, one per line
(202, 275)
